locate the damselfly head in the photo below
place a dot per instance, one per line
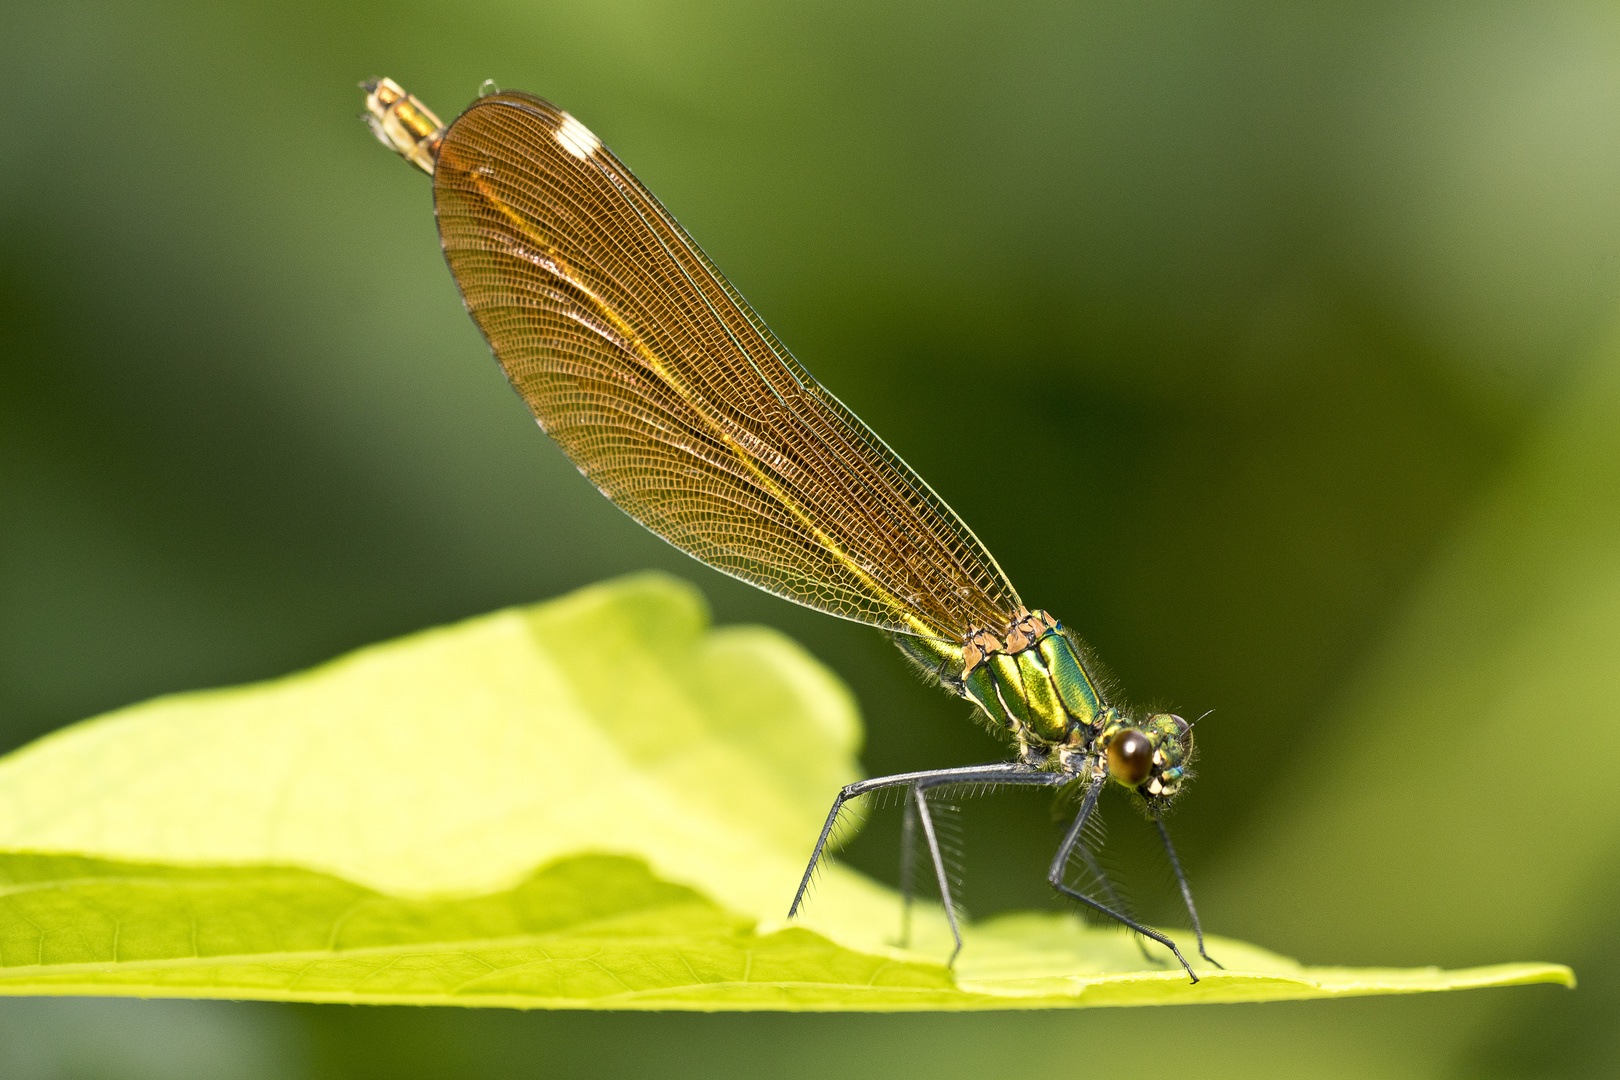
(402, 123)
(1150, 758)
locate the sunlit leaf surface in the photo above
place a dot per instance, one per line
(596, 802)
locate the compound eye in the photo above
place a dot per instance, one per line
(1130, 757)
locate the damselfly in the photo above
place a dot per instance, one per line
(670, 394)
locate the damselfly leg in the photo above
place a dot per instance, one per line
(1186, 892)
(917, 809)
(908, 860)
(919, 783)
(1060, 864)
(915, 805)
(1094, 868)
(919, 798)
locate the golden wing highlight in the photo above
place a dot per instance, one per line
(670, 395)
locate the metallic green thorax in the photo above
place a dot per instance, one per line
(1031, 683)
(1040, 693)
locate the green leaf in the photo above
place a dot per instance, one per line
(596, 802)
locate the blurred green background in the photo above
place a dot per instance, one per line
(1271, 346)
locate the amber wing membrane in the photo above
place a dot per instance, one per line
(673, 398)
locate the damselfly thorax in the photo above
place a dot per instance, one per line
(1029, 681)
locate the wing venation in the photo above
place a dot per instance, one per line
(671, 395)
